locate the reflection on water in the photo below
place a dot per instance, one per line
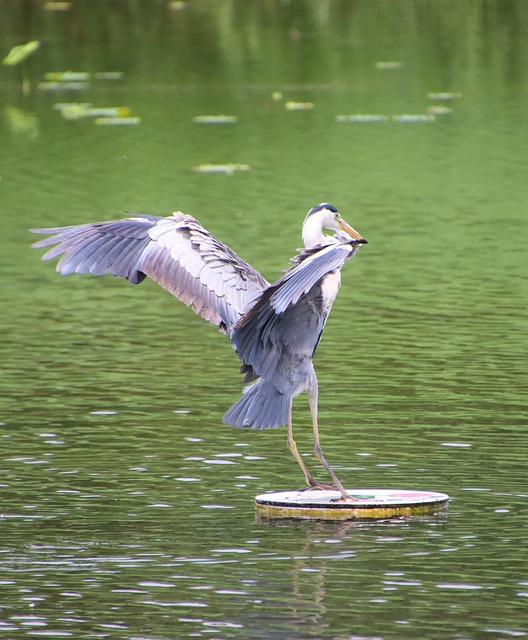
(292, 578)
(126, 507)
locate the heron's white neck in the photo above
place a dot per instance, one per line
(312, 232)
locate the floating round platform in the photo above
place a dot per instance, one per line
(369, 504)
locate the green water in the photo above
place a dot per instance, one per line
(126, 507)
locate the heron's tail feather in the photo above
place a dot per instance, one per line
(261, 407)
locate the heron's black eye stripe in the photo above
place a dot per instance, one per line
(320, 207)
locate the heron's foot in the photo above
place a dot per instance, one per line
(330, 486)
(316, 484)
(345, 498)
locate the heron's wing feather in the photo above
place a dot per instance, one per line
(289, 316)
(176, 252)
(302, 277)
(106, 247)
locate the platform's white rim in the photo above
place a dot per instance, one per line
(366, 498)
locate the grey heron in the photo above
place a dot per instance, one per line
(274, 328)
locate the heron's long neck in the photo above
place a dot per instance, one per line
(312, 233)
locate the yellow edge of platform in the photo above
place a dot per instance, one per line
(327, 513)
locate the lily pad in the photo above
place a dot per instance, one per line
(19, 53)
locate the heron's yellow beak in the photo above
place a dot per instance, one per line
(344, 226)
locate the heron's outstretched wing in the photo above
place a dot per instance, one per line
(176, 252)
(290, 314)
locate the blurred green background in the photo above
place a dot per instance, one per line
(127, 505)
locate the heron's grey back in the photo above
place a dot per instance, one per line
(285, 324)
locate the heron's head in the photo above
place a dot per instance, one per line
(326, 216)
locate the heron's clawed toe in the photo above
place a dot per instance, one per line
(316, 484)
(345, 499)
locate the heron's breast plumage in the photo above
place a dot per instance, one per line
(329, 289)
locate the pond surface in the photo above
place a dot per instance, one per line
(126, 506)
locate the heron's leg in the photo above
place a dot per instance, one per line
(312, 399)
(293, 448)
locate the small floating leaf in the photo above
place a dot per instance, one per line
(439, 109)
(76, 111)
(19, 53)
(444, 95)
(67, 76)
(118, 121)
(63, 86)
(419, 117)
(57, 6)
(109, 112)
(405, 117)
(299, 106)
(109, 75)
(389, 65)
(215, 119)
(221, 168)
(363, 117)
(62, 105)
